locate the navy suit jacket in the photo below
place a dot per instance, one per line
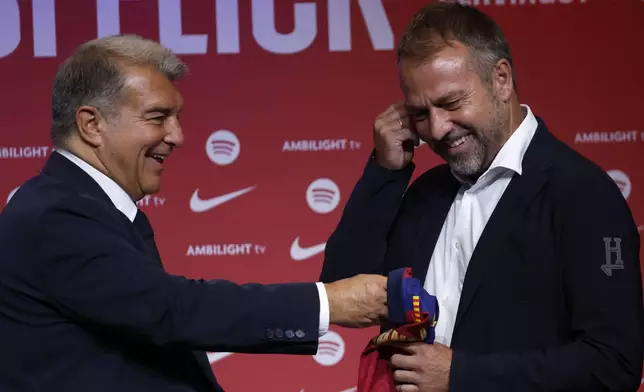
(539, 311)
(85, 304)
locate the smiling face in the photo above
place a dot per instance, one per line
(461, 118)
(133, 145)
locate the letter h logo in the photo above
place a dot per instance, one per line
(611, 250)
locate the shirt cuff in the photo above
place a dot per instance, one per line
(324, 309)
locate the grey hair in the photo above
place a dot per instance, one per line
(438, 24)
(93, 76)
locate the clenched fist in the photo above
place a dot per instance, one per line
(394, 139)
(359, 301)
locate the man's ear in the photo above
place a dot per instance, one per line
(502, 80)
(90, 124)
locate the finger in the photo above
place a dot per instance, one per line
(405, 134)
(393, 113)
(407, 388)
(391, 124)
(416, 347)
(380, 314)
(402, 361)
(402, 376)
(392, 108)
(399, 117)
(384, 313)
(383, 283)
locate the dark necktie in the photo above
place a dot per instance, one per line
(142, 224)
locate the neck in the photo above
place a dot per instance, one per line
(517, 114)
(85, 152)
(88, 154)
(511, 123)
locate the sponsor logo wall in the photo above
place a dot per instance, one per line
(279, 109)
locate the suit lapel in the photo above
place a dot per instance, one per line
(61, 168)
(64, 170)
(144, 228)
(436, 204)
(507, 214)
(146, 232)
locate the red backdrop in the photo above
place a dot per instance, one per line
(293, 87)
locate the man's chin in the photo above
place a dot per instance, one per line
(151, 188)
(465, 171)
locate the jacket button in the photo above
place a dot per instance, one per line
(270, 333)
(299, 333)
(290, 334)
(279, 334)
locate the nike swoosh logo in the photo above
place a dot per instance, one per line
(214, 357)
(299, 253)
(201, 205)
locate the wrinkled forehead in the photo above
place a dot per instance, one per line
(448, 72)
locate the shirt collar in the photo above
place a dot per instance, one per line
(510, 156)
(122, 201)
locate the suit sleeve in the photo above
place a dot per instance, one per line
(92, 273)
(359, 243)
(603, 291)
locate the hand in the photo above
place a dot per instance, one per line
(359, 301)
(394, 140)
(425, 367)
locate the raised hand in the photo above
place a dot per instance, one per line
(394, 138)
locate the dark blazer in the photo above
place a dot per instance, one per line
(86, 306)
(538, 311)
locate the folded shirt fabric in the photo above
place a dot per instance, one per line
(413, 314)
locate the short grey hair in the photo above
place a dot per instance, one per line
(435, 25)
(93, 76)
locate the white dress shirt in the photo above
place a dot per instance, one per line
(464, 224)
(127, 206)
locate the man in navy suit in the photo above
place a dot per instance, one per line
(530, 248)
(85, 304)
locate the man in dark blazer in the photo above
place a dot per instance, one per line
(85, 304)
(529, 247)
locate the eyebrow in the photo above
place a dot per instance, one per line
(160, 109)
(446, 99)
(411, 106)
(450, 97)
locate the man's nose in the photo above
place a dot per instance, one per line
(440, 123)
(174, 137)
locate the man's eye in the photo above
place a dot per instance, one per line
(420, 116)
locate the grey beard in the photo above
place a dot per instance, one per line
(469, 165)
